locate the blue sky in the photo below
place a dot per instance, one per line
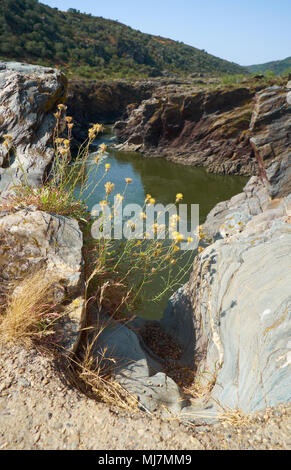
(243, 31)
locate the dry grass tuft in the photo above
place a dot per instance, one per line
(235, 418)
(93, 374)
(198, 385)
(31, 311)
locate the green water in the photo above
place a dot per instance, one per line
(163, 180)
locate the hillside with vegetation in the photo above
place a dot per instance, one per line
(277, 66)
(94, 47)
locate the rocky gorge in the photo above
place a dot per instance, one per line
(197, 125)
(229, 326)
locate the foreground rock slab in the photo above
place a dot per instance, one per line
(136, 371)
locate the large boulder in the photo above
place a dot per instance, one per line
(242, 314)
(236, 307)
(35, 241)
(240, 325)
(28, 97)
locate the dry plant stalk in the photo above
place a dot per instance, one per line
(30, 310)
(93, 373)
(236, 418)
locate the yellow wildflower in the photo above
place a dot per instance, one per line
(128, 180)
(201, 232)
(91, 134)
(189, 239)
(63, 151)
(69, 119)
(103, 148)
(179, 197)
(109, 187)
(107, 167)
(143, 215)
(178, 237)
(97, 128)
(152, 201)
(62, 107)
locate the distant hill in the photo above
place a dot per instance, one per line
(94, 47)
(277, 66)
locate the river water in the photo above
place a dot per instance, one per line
(163, 180)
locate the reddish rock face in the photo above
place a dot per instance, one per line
(271, 129)
(207, 128)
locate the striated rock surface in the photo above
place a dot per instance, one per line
(210, 128)
(242, 314)
(239, 291)
(35, 241)
(28, 97)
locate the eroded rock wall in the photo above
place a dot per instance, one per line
(99, 101)
(210, 128)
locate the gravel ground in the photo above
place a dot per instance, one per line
(39, 410)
